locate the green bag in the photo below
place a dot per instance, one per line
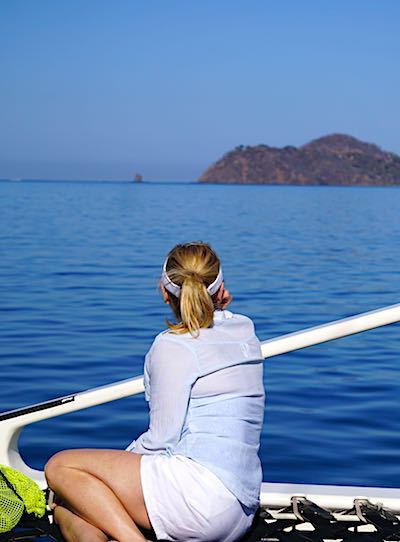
(18, 494)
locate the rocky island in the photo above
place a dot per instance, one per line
(335, 159)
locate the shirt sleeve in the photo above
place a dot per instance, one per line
(171, 372)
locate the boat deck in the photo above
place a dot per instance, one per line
(303, 521)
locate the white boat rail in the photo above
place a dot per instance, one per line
(331, 331)
(272, 494)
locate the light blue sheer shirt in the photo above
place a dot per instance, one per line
(206, 399)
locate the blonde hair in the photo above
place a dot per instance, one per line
(193, 267)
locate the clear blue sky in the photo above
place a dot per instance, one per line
(101, 89)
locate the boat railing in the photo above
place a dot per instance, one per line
(331, 331)
(14, 421)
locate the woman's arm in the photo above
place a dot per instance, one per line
(172, 370)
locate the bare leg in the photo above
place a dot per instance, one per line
(103, 488)
(76, 529)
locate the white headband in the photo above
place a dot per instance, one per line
(176, 290)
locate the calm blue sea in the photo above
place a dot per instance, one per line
(79, 307)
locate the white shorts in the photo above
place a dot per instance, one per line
(187, 502)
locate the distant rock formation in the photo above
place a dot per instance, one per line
(335, 159)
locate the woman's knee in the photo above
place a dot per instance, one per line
(55, 465)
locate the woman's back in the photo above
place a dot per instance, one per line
(212, 394)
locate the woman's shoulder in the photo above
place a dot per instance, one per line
(242, 318)
(227, 318)
(170, 340)
(170, 352)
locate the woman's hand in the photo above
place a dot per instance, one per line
(224, 298)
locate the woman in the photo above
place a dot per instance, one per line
(195, 474)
